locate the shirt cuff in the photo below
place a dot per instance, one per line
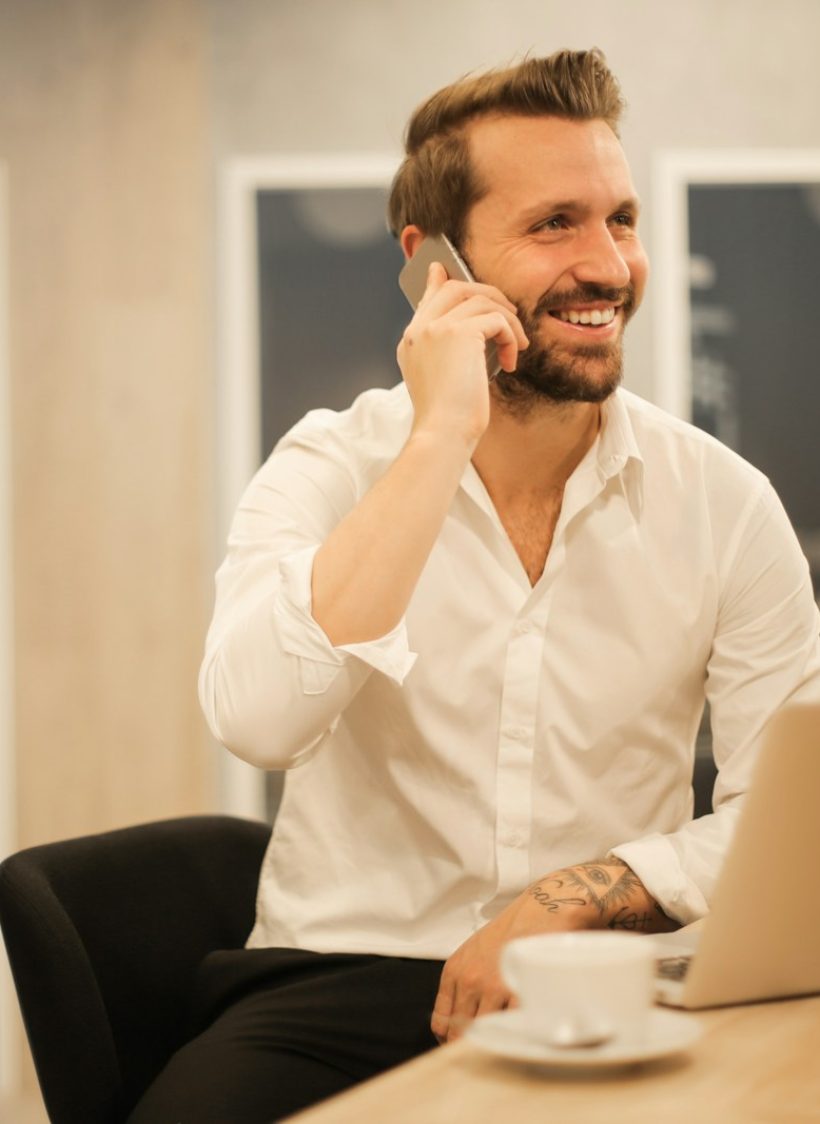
(657, 864)
(301, 636)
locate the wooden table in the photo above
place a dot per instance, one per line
(757, 1064)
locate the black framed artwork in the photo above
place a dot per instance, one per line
(310, 316)
(737, 237)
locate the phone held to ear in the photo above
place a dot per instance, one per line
(413, 279)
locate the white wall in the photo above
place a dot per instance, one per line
(343, 75)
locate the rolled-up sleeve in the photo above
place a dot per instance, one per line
(765, 655)
(272, 685)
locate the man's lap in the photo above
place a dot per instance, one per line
(275, 1030)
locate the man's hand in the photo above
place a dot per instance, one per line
(442, 354)
(596, 895)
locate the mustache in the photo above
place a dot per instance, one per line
(583, 294)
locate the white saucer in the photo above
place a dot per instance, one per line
(510, 1034)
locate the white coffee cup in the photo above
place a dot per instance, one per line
(581, 987)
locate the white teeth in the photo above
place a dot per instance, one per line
(593, 316)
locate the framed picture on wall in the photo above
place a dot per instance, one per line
(737, 270)
(310, 316)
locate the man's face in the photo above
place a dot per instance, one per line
(556, 231)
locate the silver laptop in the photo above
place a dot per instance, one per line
(761, 939)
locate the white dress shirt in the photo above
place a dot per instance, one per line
(502, 730)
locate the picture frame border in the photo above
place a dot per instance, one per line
(673, 172)
(241, 787)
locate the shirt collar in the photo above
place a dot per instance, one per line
(618, 452)
(614, 452)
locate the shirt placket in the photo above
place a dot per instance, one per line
(523, 673)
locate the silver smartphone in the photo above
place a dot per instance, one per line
(413, 279)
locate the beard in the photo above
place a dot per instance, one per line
(588, 372)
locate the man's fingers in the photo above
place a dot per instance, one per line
(467, 993)
(451, 293)
(485, 318)
(479, 306)
(456, 1004)
(494, 999)
(443, 1006)
(468, 1007)
(463, 1013)
(440, 1026)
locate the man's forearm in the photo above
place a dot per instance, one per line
(365, 572)
(604, 894)
(595, 895)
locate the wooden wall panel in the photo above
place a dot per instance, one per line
(103, 127)
(104, 135)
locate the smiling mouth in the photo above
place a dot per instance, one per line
(591, 317)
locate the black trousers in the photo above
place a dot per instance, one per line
(276, 1030)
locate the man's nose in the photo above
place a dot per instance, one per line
(601, 261)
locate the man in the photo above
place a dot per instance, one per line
(478, 621)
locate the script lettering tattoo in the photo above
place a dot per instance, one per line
(610, 887)
(552, 899)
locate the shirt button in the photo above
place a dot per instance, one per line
(525, 627)
(516, 733)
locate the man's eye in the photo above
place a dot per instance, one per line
(556, 222)
(623, 218)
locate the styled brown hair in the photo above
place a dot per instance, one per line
(436, 185)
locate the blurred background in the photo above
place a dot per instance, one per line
(118, 119)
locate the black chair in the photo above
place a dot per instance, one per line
(104, 934)
(704, 776)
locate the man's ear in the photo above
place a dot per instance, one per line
(410, 239)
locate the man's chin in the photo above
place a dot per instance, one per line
(560, 384)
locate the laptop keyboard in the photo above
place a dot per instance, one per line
(673, 967)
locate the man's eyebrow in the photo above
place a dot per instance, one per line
(549, 207)
(632, 203)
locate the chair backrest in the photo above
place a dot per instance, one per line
(104, 935)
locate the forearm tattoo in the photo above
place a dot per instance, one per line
(610, 887)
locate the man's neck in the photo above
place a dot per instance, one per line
(533, 456)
